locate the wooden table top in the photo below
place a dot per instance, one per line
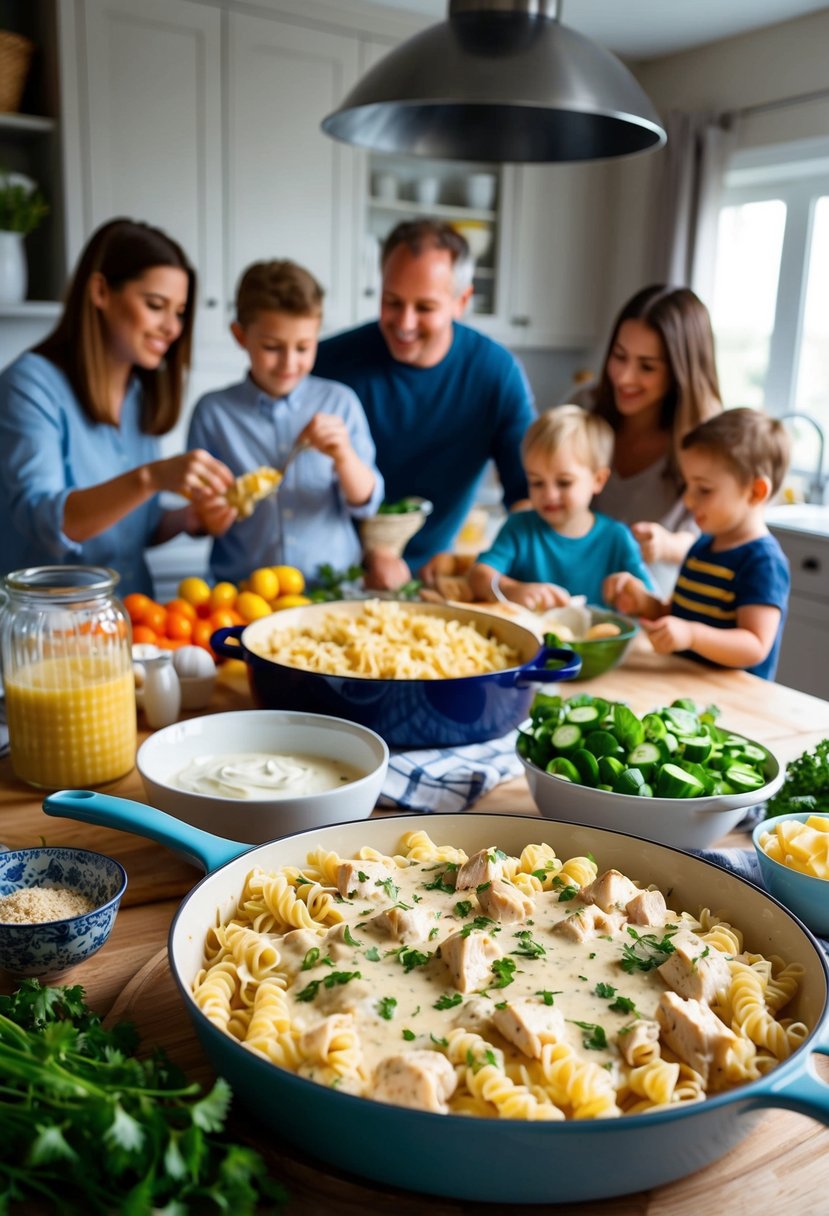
(784, 1160)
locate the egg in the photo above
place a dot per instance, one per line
(193, 662)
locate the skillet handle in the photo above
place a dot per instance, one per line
(535, 672)
(220, 641)
(195, 846)
(803, 1092)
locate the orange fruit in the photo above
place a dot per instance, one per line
(194, 590)
(222, 618)
(223, 595)
(172, 643)
(136, 605)
(251, 607)
(291, 580)
(156, 617)
(264, 582)
(289, 601)
(179, 627)
(182, 607)
(202, 633)
(143, 634)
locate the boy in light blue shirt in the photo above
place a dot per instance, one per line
(330, 484)
(560, 548)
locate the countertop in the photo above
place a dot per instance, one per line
(783, 1162)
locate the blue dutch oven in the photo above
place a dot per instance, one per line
(452, 1155)
(407, 713)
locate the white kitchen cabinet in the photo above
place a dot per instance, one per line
(290, 187)
(804, 655)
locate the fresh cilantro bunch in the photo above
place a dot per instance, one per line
(89, 1128)
(806, 787)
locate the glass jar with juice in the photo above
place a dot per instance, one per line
(67, 670)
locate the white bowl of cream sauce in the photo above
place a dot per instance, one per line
(253, 775)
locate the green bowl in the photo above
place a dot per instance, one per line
(600, 655)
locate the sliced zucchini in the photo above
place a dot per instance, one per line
(629, 781)
(584, 715)
(753, 753)
(681, 722)
(655, 728)
(645, 757)
(560, 766)
(609, 768)
(602, 743)
(566, 737)
(587, 764)
(698, 748)
(674, 782)
(744, 780)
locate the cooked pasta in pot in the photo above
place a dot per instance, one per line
(388, 641)
(523, 987)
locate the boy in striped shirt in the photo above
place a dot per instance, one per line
(729, 604)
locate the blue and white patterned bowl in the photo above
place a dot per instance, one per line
(48, 949)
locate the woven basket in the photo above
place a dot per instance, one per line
(15, 56)
(392, 531)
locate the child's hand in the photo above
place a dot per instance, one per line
(329, 435)
(669, 634)
(538, 597)
(625, 592)
(652, 541)
(214, 515)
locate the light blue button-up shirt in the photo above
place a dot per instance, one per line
(49, 447)
(309, 521)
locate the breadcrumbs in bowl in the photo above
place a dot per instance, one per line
(57, 908)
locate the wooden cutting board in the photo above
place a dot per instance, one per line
(782, 1165)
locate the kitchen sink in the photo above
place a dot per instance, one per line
(812, 518)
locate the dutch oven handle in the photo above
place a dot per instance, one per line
(219, 641)
(801, 1091)
(537, 671)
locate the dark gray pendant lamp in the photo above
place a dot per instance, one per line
(500, 80)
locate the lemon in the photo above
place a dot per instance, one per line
(291, 580)
(264, 582)
(251, 606)
(289, 601)
(223, 595)
(194, 591)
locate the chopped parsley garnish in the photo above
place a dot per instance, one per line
(444, 881)
(433, 933)
(336, 977)
(527, 946)
(372, 954)
(623, 1004)
(543, 875)
(388, 886)
(594, 1036)
(409, 958)
(502, 1004)
(548, 996)
(700, 956)
(386, 1007)
(416, 899)
(480, 924)
(409, 1035)
(439, 1042)
(362, 876)
(566, 891)
(592, 954)
(648, 951)
(463, 907)
(496, 855)
(348, 939)
(605, 991)
(503, 969)
(488, 1057)
(311, 958)
(482, 886)
(583, 977)
(448, 1002)
(302, 881)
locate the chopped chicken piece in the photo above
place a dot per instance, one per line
(423, 1080)
(588, 922)
(529, 1024)
(362, 879)
(483, 866)
(647, 908)
(609, 890)
(697, 1036)
(294, 947)
(475, 1014)
(469, 959)
(250, 488)
(695, 970)
(630, 1038)
(357, 994)
(336, 946)
(502, 902)
(404, 925)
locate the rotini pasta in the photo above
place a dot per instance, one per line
(492, 986)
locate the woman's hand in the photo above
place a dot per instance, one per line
(384, 570)
(195, 475)
(538, 597)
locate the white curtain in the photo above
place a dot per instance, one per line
(688, 196)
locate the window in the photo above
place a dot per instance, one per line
(770, 303)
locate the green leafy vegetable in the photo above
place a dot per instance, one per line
(806, 787)
(89, 1128)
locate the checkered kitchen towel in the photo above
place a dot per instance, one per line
(448, 779)
(744, 863)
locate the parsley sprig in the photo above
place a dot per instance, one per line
(90, 1128)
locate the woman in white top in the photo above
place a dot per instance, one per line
(658, 381)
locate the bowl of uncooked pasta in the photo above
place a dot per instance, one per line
(793, 853)
(57, 908)
(421, 675)
(459, 990)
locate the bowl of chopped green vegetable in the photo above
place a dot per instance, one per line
(673, 775)
(395, 524)
(603, 645)
(57, 907)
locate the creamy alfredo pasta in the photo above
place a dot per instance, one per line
(514, 987)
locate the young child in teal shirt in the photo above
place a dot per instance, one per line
(560, 548)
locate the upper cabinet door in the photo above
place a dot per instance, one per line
(154, 125)
(290, 187)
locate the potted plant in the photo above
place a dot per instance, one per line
(22, 209)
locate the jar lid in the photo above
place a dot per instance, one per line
(63, 582)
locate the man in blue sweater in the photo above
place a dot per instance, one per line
(441, 398)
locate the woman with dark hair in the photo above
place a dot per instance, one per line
(658, 381)
(80, 414)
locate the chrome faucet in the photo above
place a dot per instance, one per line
(817, 486)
